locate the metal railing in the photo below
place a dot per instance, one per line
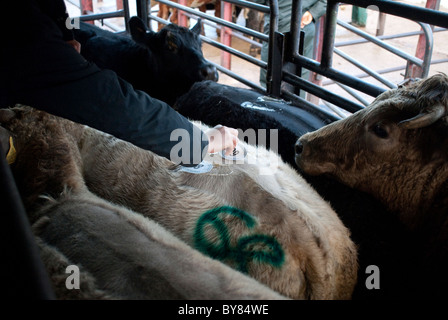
(325, 66)
(86, 7)
(278, 74)
(222, 23)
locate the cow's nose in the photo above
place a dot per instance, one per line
(209, 73)
(298, 147)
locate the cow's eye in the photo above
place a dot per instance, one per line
(380, 131)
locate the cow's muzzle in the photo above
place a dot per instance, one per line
(209, 73)
(310, 160)
(301, 148)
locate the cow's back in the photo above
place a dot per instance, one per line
(117, 53)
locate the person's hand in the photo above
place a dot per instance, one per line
(222, 138)
(75, 44)
(306, 19)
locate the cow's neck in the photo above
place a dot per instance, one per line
(416, 200)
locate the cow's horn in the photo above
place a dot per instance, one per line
(426, 118)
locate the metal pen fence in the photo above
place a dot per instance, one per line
(221, 23)
(285, 61)
(423, 16)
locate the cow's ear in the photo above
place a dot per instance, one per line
(138, 29)
(171, 42)
(197, 27)
(4, 140)
(6, 115)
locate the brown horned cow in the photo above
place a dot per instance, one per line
(273, 227)
(397, 150)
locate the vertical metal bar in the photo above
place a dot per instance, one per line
(296, 18)
(226, 34)
(273, 29)
(142, 10)
(181, 17)
(87, 8)
(428, 30)
(329, 34)
(318, 40)
(381, 24)
(125, 4)
(424, 49)
(274, 86)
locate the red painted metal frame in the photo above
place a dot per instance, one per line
(87, 8)
(226, 34)
(413, 71)
(182, 19)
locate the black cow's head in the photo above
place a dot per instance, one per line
(180, 51)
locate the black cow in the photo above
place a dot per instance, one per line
(164, 64)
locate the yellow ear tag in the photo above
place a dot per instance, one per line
(11, 156)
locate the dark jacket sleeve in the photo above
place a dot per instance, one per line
(48, 74)
(57, 11)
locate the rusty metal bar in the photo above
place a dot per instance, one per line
(181, 17)
(223, 22)
(423, 47)
(226, 34)
(86, 8)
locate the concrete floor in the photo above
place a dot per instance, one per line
(370, 55)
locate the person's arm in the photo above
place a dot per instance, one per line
(57, 11)
(110, 104)
(56, 79)
(318, 9)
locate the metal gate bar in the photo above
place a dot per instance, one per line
(380, 43)
(403, 10)
(220, 21)
(273, 54)
(325, 66)
(90, 17)
(364, 68)
(385, 37)
(321, 92)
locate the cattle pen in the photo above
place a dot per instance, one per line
(416, 41)
(346, 75)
